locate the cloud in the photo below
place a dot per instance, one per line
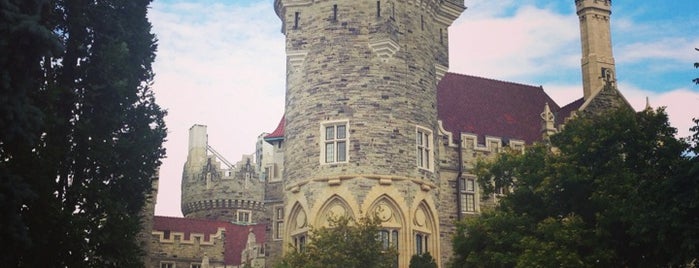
(221, 65)
(677, 49)
(680, 104)
(530, 42)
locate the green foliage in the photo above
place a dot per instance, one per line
(80, 133)
(615, 190)
(23, 43)
(696, 65)
(345, 243)
(422, 261)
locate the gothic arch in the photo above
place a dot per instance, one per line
(424, 225)
(298, 220)
(334, 207)
(389, 211)
(424, 218)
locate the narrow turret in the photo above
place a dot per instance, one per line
(595, 35)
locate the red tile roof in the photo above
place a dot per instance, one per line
(278, 133)
(235, 238)
(490, 107)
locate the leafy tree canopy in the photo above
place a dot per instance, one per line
(614, 190)
(345, 243)
(80, 132)
(424, 260)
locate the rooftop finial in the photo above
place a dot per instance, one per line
(548, 121)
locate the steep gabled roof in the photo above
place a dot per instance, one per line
(488, 107)
(278, 133)
(235, 237)
(566, 111)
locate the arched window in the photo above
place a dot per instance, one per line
(298, 227)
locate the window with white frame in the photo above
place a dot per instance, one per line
(278, 222)
(167, 264)
(468, 194)
(335, 142)
(244, 216)
(423, 142)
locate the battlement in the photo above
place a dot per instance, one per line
(434, 5)
(444, 12)
(189, 238)
(204, 205)
(599, 5)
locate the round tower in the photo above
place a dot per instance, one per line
(211, 192)
(361, 115)
(595, 35)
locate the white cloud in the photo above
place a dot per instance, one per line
(674, 49)
(532, 41)
(218, 65)
(680, 104)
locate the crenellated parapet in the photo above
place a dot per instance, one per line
(594, 9)
(444, 12)
(602, 5)
(190, 238)
(207, 205)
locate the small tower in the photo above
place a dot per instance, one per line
(595, 36)
(233, 194)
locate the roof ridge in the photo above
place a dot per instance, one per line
(188, 219)
(498, 80)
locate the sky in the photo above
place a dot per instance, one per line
(221, 63)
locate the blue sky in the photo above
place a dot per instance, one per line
(222, 63)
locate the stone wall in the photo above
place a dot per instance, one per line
(372, 66)
(185, 250)
(596, 42)
(215, 193)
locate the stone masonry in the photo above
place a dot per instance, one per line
(211, 192)
(597, 60)
(370, 67)
(374, 125)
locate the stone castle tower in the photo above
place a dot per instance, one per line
(233, 194)
(374, 125)
(595, 36)
(361, 115)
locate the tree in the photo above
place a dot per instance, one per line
(80, 132)
(345, 243)
(23, 44)
(615, 190)
(696, 65)
(424, 260)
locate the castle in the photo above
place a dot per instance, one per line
(374, 124)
